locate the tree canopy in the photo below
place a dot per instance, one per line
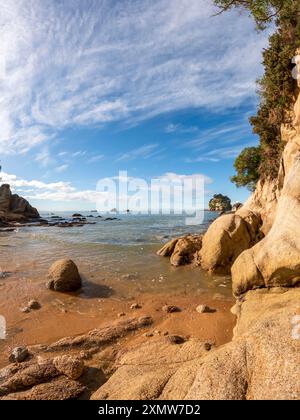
(220, 202)
(277, 88)
(247, 168)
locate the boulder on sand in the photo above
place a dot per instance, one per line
(64, 276)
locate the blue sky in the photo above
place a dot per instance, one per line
(92, 87)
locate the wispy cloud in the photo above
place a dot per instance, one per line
(61, 168)
(79, 153)
(95, 158)
(144, 152)
(92, 62)
(222, 153)
(179, 128)
(44, 158)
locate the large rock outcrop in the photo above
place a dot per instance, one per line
(275, 260)
(226, 238)
(263, 360)
(15, 208)
(154, 370)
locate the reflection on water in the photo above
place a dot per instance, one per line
(119, 255)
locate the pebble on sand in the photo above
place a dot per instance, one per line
(19, 354)
(204, 309)
(169, 309)
(135, 306)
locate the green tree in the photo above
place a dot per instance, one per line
(220, 202)
(277, 88)
(247, 168)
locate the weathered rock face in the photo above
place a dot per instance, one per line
(64, 276)
(263, 360)
(154, 370)
(275, 260)
(227, 238)
(47, 379)
(15, 208)
(183, 250)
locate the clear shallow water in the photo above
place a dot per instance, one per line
(119, 254)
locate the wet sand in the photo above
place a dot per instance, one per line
(64, 315)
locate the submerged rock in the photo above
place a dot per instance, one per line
(64, 276)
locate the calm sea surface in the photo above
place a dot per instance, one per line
(120, 254)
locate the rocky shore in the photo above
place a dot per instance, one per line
(259, 245)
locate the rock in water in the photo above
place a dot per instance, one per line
(186, 250)
(64, 276)
(182, 250)
(168, 249)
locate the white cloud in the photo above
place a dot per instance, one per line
(173, 177)
(44, 158)
(96, 61)
(79, 153)
(179, 128)
(95, 158)
(222, 153)
(61, 168)
(66, 192)
(144, 152)
(55, 191)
